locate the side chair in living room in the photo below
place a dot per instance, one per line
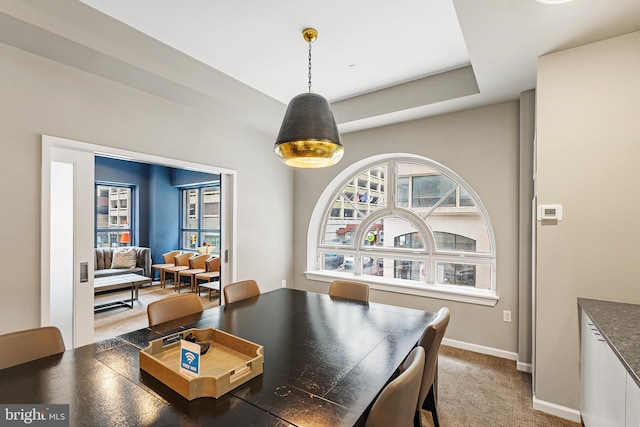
(169, 261)
(197, 264)
(181, 263)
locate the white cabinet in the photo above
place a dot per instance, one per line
(633, 403)
(603, 380)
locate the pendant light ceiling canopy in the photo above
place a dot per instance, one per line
(309, 136)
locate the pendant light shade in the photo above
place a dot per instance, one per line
(309, 136)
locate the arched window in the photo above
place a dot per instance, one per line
(404, 223)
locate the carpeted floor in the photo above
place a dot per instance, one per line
(110, 323)
(477, 390)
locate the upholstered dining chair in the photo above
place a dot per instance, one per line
(213, 270)
(240, 290)
(31, 344)
(349, 289)
(396, 404)
(169, 261)
(197, 264)
(181, 262)
(173, 308)
(430, 341)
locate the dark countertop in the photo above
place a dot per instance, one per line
(619, 324)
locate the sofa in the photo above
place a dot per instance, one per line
(105, 266)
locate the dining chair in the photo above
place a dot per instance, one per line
(350, 290)
(31, 344)
(213, 270)
(197, 264)
(169, 261)
(240, 290)
(181, 262)
(396, 404)
(430, 341)
(212, 274)
(173, 307)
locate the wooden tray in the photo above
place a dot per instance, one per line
(229, 362)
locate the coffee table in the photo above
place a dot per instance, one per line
(102, 285)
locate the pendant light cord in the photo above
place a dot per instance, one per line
(309, 67)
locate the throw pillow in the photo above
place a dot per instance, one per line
(124, 258)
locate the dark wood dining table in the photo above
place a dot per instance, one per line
(325, 361)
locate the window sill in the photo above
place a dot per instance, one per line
(459, 294)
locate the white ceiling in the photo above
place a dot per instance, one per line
(367, 45)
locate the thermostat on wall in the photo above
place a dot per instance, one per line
(549, 212)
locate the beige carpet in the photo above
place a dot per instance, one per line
(117, 321)
(476, 390)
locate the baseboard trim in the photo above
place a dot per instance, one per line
(480, 349)
(524, 367)
(557, 410)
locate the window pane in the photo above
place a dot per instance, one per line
(454, 242)
(112, 207)
(394, 268)
(449, 273)
(359, 198)
(190, 240)
(107, 239)
(402, 194)
(464, 231)
(211, 238)
(427, 191)
(393, 232)
(465, 198)
(337, 262)
(190, 208)
(211, 207)
(113, 211)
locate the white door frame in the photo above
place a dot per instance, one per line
(228, 227)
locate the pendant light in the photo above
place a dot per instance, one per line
(309, 137)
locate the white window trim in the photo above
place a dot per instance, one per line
(487, 297)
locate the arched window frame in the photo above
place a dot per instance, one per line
(429, 254)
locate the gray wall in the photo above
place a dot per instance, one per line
(40, 96)
(588, 147)
(481, 145)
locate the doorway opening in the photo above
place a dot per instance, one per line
(78, 285)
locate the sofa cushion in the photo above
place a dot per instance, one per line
(123, 258)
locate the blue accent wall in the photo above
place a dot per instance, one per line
(165, 213)
(157, 199)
